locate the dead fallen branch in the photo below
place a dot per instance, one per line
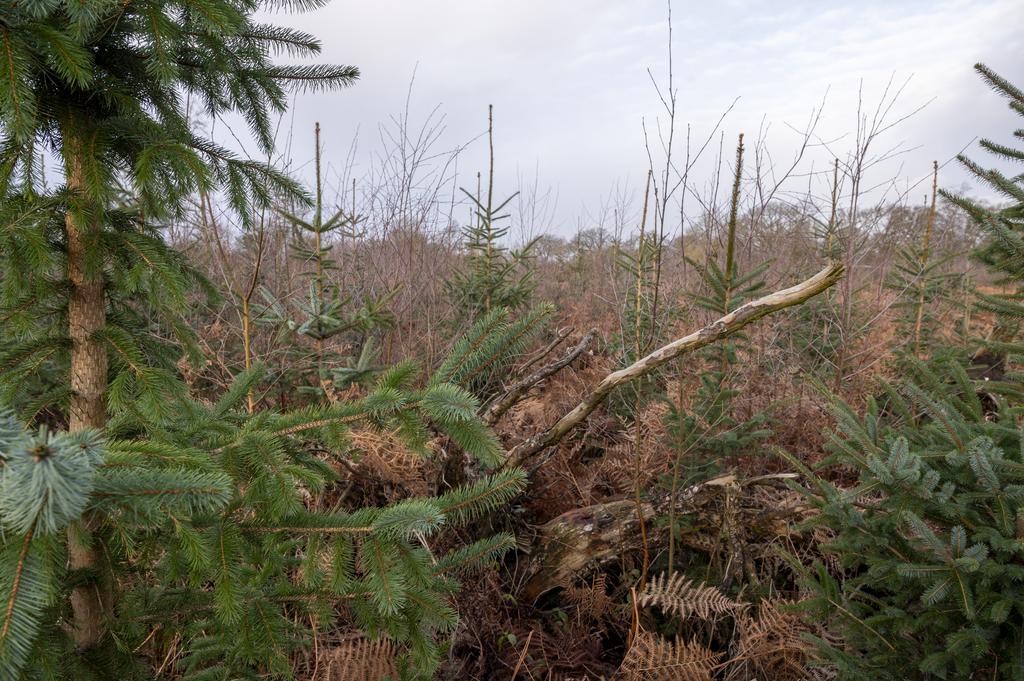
(726, 326)
(520, 388)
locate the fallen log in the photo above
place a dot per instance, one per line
(721, 514)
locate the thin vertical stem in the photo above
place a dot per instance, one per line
(489, 217)
(637, 345)
(244, 296)
(318, 245)
(250, 399)
(490, 148)
(680, 452)
(925, 255)
(730, 244)
(730, 249)
(318, 220)
(637, 459)
(830, 237)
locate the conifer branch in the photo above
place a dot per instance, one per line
(319, 423)
(18, 571)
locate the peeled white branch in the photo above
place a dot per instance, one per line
(726, 326)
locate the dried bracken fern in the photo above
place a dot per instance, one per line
(682, 597)
(362, 659)
(385, 456)
(592, 601)
(769, 645)
(652, 658)
(619, 465)
(617, 469)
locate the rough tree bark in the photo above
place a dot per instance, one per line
(585, 538)
(86, 317)
(725, 326)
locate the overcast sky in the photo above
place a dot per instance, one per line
(569, 79)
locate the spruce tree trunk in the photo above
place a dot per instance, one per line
(86, 316)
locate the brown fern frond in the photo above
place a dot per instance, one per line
(682, 597)
(770, 644)
(617, 468)
(821, 537)
(652, 658)
(619, 465)
(362, 659)
(384, 455)
(591, 601)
